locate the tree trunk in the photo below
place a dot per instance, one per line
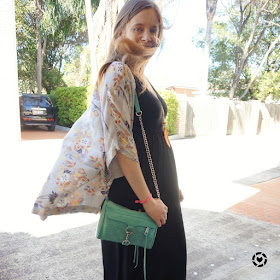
(234, 84)
(260, 66)
(82, 64)
(39, 64)
(210, 13)
(33, 81)
(205, 67)
(92, 45)
(103, 24)
(35, 77)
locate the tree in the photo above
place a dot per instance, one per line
(210, 13)
(26, 45)
(272, 46)
(40, 50)
(90, 38)
(243, 46)
(63, 27)
(254, 16)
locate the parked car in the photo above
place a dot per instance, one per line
(37, 110)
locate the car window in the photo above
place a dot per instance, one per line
(45, 102)
(37, 101)
(31, 101)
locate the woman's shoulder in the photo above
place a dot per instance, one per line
(119, 71)
(117, 67)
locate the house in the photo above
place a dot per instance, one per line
(188, 91)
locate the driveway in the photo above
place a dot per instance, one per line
(42, 133)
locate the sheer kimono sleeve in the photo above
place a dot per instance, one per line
(117, 107)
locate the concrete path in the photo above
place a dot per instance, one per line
(221, 243)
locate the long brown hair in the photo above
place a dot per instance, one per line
(125, 50)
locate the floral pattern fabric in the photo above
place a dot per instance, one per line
(87, 165)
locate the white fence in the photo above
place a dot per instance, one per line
(206, 116)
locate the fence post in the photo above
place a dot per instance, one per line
(223, 118)
(254, 118)
(182, 116)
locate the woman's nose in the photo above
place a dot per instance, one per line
(147, 36)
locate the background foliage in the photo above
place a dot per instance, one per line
(172, 103)
(71, 103)
(241, 37)
(268, 86)
(63, 30)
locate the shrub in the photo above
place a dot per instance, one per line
(71, 102)
(173, 104)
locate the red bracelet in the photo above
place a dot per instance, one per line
(144, 201)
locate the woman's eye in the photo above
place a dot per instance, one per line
(154, 31)
(138, 29)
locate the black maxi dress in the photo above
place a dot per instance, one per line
(167, 259)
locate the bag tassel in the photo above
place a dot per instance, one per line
(136, 254)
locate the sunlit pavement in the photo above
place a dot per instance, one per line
(41, 132)
(220, 243)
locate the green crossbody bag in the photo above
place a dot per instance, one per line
(125, 226)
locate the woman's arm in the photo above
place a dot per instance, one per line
(181, 196)
(155, 208)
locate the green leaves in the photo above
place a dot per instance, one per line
(268, 86)
(71, 103)
(172, 103)
(239, 43)
(62, 26)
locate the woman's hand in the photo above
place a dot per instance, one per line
(157, 210)
(181, 197)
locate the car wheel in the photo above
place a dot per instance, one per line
(51, 128)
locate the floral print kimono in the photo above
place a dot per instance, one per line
(87, 165)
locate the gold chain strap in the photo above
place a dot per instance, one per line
(148, 153)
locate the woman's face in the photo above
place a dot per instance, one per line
(143, 28)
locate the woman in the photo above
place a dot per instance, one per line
(104, 155)
(137, 34)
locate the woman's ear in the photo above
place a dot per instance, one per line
(122, 31)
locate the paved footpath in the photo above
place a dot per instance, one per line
(231, 212)
(264, 205)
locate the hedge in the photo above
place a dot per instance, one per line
(173, 104)
(70, 103)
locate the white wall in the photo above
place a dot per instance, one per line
(9, 103)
